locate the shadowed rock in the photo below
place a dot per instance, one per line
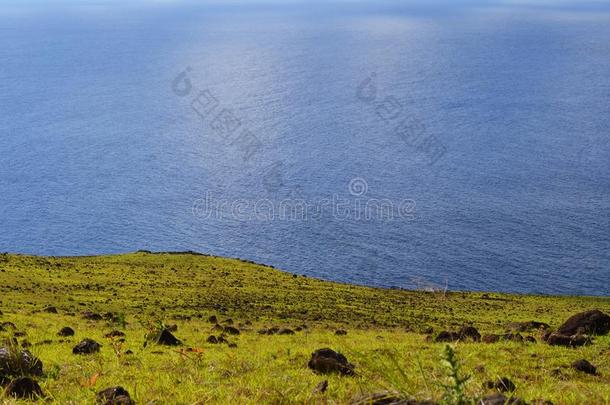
(340, 332)
(230, 330)
(50, 310)
(469, 332)
(165, 337)
(556, 339)
(327, 361)
(593, 322)
(115, 333)
(285, 331)
(465, 333)
(23, 388)
(87, 346)
(446, 336)
(114, 396)
(66, 331)
(584, 366)
(17, 363)
(213, 319)
(212, 339)
(92, 316)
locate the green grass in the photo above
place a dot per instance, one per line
(385, 339)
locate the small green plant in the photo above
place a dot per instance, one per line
(454, 391)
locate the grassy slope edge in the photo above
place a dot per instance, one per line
(382, 324)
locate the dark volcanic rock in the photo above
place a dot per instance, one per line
(445, 336)
(469, 332)
(500, 399)
(213, 319)
(115, 333)
(114, 396)
(327, 361)
(87, 346)
(212, 339)
(17, 363)
(502, 384)
(231, 330)
(513, 337)
(66, 331)
(50, 310)
(584, 366)
(92, 316)
(165, 337)
(340, 332)
(593, 322)
(466, 333)
(24, 387)
(285, 331)
(556, 339)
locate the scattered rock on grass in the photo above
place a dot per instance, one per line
(445, 336)
(66, 331)
(92, 316)
(165, 337)
(594, 322)
(24, 388)
(230, 330)
(16, 363)
(213, 319)
(115, 333)
(50, 310)
(584, 366)
(327, 361)
(212, 339)
(285, 331)
(557, 339)
(340, 332)
(469, 332)
(321, 387)
(114, 396)
(87, 346)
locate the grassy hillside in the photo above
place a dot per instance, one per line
(389, 336)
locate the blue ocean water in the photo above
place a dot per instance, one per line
(121, 121)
